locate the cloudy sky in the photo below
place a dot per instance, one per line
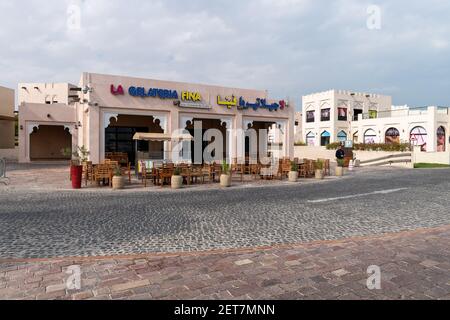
(289, 47)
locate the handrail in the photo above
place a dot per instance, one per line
(393, 156)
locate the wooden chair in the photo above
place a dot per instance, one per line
(255, 170)
(303, 170)
(237, 169)
(285, 168)
(103, 172)
(126, 171)
(148, 174)
(165, 174)
(197, 173)
(326, 167)
(88, 172)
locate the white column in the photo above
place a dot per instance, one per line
(432, 129)
(231, 137)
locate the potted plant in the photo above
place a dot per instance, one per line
(340, 167)
(177, 179)
(118, 182)
(293, 175)
(225, 178)
(79, 157)
(319, 170)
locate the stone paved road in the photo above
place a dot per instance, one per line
(66, 224)
(414, 265)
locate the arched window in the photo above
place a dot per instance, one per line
(325, 139)
(419, 138)
(392, 136)
(310, 139)
(342, 136)
(370, 137)
(441, 140)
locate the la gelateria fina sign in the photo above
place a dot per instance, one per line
(194, 99)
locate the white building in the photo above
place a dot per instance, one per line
(337, 116)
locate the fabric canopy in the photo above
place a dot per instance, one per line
(161, 137)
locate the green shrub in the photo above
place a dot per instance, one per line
(341, 163)
(294, 166)
(319, 164)
(225, 167)
(394, 147)
(430, 165)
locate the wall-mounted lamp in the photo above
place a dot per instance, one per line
(21, 127)
(79, 124)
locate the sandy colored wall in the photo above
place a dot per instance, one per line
(10, 154)
(431, 157)
(7, 134)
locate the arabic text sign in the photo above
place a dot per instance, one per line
(241, 104)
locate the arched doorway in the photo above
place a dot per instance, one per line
(47, 143)
(441, 139)
(121, 130)
(311, 139)
(392, 136)
(370, 137)
(419, 137)
(325, 139)
(342, 136)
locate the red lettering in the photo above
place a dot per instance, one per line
(117, 92)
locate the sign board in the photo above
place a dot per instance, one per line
(348, 144)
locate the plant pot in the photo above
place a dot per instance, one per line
(293, 176)
(118, 182)
(339, 171)
(177, 182)
(76, 175)
(225, 180)
(319, 174)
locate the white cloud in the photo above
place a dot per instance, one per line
(290, 47)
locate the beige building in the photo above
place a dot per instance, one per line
(47, 93)
(338, 116)
(7, 119)
(329, 116)
(105, 112)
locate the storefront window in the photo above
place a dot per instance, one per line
(342, 136)
(342, 114)
(370, 137)
(392, 136)
(325, 139)
(310, 116)
(325, 115)
(419, 137)
(310, 139)
(441, 142)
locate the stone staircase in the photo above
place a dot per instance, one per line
(402, 159)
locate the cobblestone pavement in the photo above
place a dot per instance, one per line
(46, 224)
(414, 265)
